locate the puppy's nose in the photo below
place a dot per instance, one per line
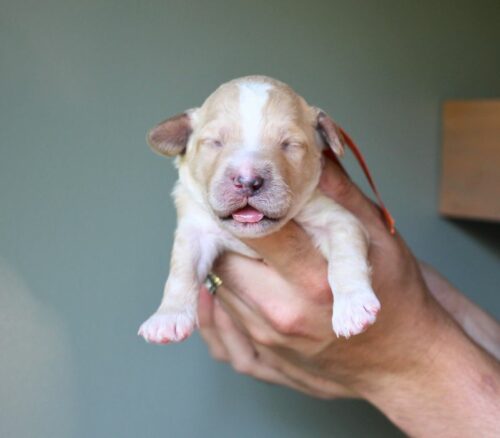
(248, 185)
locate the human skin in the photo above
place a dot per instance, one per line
(430, 370)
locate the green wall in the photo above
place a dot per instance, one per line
(86, 220)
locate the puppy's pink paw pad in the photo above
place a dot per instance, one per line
(168, 326)
(354, 312)
(373, 310)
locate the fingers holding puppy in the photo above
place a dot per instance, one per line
(247, 356)
(208, 329)
(228, 343)
(306, 293)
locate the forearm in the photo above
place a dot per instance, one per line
(415, 364)
(480, 326)
(449, 389)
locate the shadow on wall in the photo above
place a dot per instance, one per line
(37, 393)
(487, 233)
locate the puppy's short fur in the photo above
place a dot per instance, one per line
(249, 161)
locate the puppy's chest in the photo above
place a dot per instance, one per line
(199, 225)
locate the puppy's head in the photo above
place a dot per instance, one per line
(251, 152)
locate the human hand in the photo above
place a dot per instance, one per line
(271, 319)
(284, 343)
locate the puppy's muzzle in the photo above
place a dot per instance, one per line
(260, 187)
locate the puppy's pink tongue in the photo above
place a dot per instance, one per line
(247, 215)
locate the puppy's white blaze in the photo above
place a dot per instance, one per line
(253, 97)
(245, 161)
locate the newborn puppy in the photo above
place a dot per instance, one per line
(249, 161)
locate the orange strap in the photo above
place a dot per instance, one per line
(362, 162)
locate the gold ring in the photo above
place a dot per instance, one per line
(212, 282)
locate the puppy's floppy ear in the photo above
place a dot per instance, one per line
(330, 132)
(171, 136)
(337, 138)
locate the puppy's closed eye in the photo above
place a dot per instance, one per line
(213, 142)
(292, 144)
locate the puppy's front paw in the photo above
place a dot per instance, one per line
(353, 312)
(166, 326)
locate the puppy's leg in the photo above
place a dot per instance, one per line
(192, 257)
(355, 305)
(344, 243)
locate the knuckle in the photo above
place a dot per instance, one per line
(286, 326)
(218, 354)
(219, 357)
(286, 320)
(264, 337)
(243, 365)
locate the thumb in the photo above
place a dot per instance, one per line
(292, 254)
(336, 184)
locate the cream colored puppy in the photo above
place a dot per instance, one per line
(249, 161)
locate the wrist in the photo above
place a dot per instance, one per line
(450, 385)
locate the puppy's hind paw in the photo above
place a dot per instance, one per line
(166, 326)
(353, 312)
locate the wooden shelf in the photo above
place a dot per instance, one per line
(470, 177)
